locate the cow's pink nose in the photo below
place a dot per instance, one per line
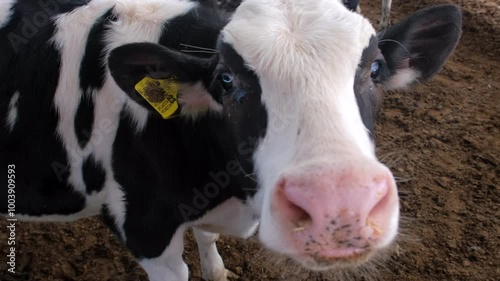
(334, 214)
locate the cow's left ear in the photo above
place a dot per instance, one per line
(416, 49)
(131, 64)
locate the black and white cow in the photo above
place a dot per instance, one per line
(273, 130)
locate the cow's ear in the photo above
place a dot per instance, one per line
(416, 49)
(139, 63)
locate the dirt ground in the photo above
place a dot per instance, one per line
(442, 139)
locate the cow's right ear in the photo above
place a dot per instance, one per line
(130, 64)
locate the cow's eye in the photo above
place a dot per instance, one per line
(226, 80)
(375, 69)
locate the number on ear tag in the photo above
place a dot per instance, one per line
(160, 94)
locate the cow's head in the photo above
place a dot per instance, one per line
(300, 83)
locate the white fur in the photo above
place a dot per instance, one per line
(402, 79)
(305, 54)
(12, 114)
(195, 101)
(244, 220)
(212, 266)
(116, 205)
(72, 30)
(6, 11)
(169, 266)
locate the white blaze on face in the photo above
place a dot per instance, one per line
(305, 54)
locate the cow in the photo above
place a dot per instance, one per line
(165, 115)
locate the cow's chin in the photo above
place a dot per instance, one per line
(318, 263)
(341, 259)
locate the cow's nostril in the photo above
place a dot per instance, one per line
(293, 213)
(303, 219)
(379, 210)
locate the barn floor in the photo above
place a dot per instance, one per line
(443, 138)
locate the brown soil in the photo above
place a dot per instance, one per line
(441, 138)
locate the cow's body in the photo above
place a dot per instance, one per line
(73, 129)
(83, 142)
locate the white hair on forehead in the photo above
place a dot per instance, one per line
(283, 38)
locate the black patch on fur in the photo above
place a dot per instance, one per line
(242, 105)
(93, 68)
(94, 175)
(229, 5)
(351, 4)
(199, 27)
(174, 162)
(168, 168)
(84, 119)
(367, 90)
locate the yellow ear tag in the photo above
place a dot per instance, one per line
(161, 94)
